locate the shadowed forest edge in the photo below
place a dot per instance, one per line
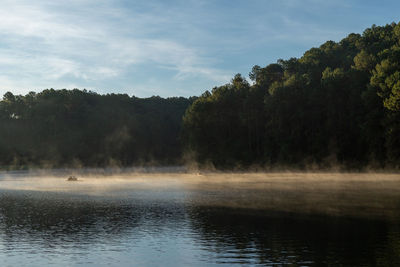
(336, 106)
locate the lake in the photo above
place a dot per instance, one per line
(208, 219)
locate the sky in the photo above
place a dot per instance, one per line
(165, 48)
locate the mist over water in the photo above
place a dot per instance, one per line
(199, 219)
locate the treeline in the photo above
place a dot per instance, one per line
(73, 128)
(337, 105)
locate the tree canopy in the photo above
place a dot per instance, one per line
(82, 128)
(337, 105)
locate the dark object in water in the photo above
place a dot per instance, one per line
(72, 178)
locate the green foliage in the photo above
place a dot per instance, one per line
(364, 61)
(386, 78)
(337, 104)
(67, 127)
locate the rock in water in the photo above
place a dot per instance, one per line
(72, 178)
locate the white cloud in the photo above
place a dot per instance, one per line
(130, 44)
(43, 43)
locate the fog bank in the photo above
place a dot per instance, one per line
(374, 195)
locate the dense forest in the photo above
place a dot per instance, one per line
(73, 128)
(336, 106)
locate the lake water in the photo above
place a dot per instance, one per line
(158, 221)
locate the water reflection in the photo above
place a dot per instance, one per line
(237, 236)
(82, 227)
(160, 229)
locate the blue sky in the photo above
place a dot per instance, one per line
(166, 48)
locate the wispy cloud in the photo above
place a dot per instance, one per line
(47, 42)
(172, 47)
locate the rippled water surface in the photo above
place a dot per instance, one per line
(162, 221)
